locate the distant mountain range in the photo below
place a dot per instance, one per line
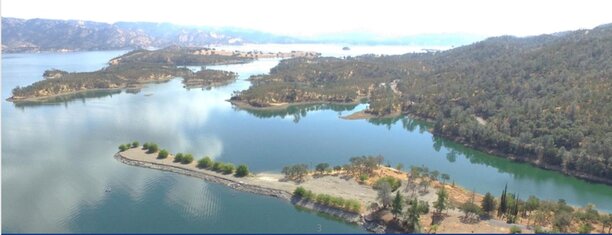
(20, 35)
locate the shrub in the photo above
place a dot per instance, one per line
(135, 144)
(152, 148)
(242, 171)
(145, 146)
(188, 158)
(228, 168)
(321, 167)
(217, 166)
(178, 157)
(205, 163)
(162, 154)
(122, 148)
(337, 168)
(393, 182)
(515, 229)
(363, 177)
(309, 195)
(299, 192)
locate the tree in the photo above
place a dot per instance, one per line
(152, 148)
(488, 204)
(606, 221)
(228, 168)
(242, 170)
(533, 203)
(442, 201)
(188, 158)
(217, 166)
(585, 228)
(295, 172)
(122, 147)
(397, 205)
(337, 168)
(178, 157)
(434, 175)
(515, 229)
(445, 177)
(205, 162)
(321, 167)
(384, 194)
(413, 214)
(399, 167)
(503, 204)
(135, 144)
(562, 220)
(162, 154)
(145, 145)
(392, 181)
(299, 192)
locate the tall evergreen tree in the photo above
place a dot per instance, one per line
(501, 210)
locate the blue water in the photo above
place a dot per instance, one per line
(57, 158)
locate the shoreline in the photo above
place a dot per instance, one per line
(271, 184)
(494, 152)
(245, 184)
(282, 106)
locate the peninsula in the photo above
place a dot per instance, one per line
(381, 199)
(139, 67)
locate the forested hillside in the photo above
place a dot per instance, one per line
(544, 99)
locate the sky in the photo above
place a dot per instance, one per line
(308, 18)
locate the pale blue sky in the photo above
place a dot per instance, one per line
(314, 17)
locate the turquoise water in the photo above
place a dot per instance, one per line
(57, 157)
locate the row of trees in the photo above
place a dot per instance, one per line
(225, 168)
(328, 200)
(123, 147)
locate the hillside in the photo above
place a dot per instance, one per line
(543, 99)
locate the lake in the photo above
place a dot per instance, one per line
(57, 157)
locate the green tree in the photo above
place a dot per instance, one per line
(384, 193)
(145, 146)
(585, 228)
(488, 204)
(413, 214)
(442, 202)
(152, 148)
(188, 158)
(562, 220)
(503, 203)
(606, 221)
(218, 166)
(515, 229)
(228, 168)
(122, 147)
(135, 144)
(337, 168)
(395, 183)
(397, 205)
(295, 172)
(162, 154)
(322, 167)
(299, 192)
(205, 163)
(242, 170)
(445, 177)
(178, 157)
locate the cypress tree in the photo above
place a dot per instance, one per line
(502, 203)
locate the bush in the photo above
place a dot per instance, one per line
(363, 177)
(188, 158)
(178, 157)
(145, 146)
(205, 163)
(322, 167)
(515, 229)
(217, 166)
(228, 168)
(242, 171)
(135, 144)
(337, 168)
(393, 182)
(152, 148)
(122, 148)
(162, 154)
(299, 192)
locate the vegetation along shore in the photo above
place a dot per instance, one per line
(381, 198)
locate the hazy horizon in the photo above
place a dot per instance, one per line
(387, 19)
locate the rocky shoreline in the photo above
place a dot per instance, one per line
(237, 184)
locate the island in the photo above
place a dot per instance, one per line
(379, 198)
(543, 100)
(138, 67)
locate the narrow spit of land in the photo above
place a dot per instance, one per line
(336, 184)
